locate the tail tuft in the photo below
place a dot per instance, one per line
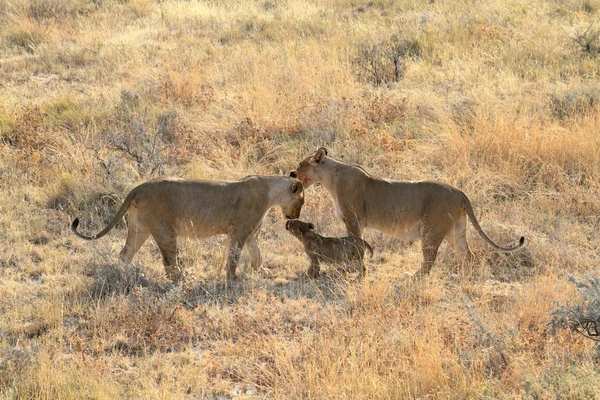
(522, 241)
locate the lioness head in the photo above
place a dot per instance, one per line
(298, 228)
(308, 170)
(292, 201)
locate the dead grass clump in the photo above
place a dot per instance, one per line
(188, 86)
(116, 280)
(511, 267)
(463, 114)
(27, 36)
(575, 103)
(27, 130)
(553, 158)
(144, 322)
(58, 10)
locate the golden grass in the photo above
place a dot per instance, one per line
(97, 96)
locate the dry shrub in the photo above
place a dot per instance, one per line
(588, 42)
(583, 317)
(384, 62)
(144, 322)
(14, 362)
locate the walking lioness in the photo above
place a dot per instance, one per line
(429, 211)
(168, 208)
(344, 251)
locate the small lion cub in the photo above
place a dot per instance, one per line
(340, 251)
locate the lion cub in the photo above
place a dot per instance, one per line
(341, 251)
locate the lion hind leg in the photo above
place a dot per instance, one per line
(457, 238)
(431, 239)
(137, 234)
(166, 240)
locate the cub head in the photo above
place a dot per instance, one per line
(292, 200)
(308, 170)
(299, 228)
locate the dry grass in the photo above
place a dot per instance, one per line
(501, 99)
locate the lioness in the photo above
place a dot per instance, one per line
(168, 208)
(341, 251)
(429, 211)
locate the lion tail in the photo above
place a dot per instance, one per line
(471, 214)
(111, 224)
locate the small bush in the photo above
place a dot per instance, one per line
(588, 42)
(385, 62)
(582, 317)
(141, 133)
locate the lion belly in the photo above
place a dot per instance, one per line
(404, 232)
(200, 229)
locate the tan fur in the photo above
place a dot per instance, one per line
(343, 251)
(429, 211)
(168, 208)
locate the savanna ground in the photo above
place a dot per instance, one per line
(499, 98)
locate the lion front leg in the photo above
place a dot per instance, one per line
(353, 225)
(234, 249)
(255, 256)
(314, 268)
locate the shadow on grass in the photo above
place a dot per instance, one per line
(325, 289)
(123, 280)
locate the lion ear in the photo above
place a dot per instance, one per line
(311, 226)
(319, 156)
(293, 174)
(297, 187)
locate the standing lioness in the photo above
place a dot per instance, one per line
(429, 211)
(168, 208)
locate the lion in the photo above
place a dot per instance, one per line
(425, 210)
(170, 208)
(341, 251)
